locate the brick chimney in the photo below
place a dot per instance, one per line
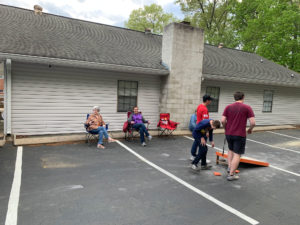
(38, 10)
(182, 52)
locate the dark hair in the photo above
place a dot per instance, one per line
(238, 95)
(207, 98)
(216, 123)
(134, 107)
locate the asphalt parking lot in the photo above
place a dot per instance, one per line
(153, 185)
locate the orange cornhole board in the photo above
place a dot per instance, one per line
(243, 159)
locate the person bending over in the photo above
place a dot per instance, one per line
(200, 139)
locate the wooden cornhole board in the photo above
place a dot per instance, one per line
(243, 159)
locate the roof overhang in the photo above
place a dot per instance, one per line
(83, 64)
(250, 81)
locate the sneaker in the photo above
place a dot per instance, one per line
(232, 177)
(100, 146)
(206, 167)
(208, 161)
(192, 158)
(195, 167)
(144, 144)
(149, 138)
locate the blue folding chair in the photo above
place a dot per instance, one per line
(91, 136)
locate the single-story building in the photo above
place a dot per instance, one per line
(57, 68)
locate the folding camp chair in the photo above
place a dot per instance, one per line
(165, 126)
(130, 132)
(90, 136)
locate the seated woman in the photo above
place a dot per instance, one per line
(137, 121)
(96, 125)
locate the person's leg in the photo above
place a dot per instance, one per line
(203, 157)
(138, 126)
(234, 163)
(200, 153)
(230, 142)
(143, 127)
(229, 158)
(194, 149)
(238, 149)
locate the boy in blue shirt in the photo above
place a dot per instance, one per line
(199, 134)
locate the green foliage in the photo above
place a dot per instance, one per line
(270, 28)
(214, 17)
(151, 16)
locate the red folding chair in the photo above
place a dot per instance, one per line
(165, 125)
(130, 132)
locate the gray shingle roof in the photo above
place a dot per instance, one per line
(48, 35)
(52, 36)
(232, 64)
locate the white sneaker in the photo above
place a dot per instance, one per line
(195, 167)
(149, 138)
(208, 161)
(144, 144)
(232, 177)
(192, 158)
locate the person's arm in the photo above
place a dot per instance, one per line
(251, 120)
(252, 124)
(130, 118)
(145, 121)
(224, 121)
(101, 122)
(211, 139)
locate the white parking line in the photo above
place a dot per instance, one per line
(285, 135)
(203, 194)
(13, 203)
(277, 168)
(273, 146)
(274, 167)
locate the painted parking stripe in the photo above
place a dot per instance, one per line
(285, 135)
(274, 167)
(273, 146)
(198, 191)
(13, 203)
(277, 168)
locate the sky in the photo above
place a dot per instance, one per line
(111, 12)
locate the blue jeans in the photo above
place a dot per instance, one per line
(142, 129)
(194, 149)
(201, 153)
(101, 131)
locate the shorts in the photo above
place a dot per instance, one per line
(236, 144)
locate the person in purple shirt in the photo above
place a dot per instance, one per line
(234, 121)
(137, 120)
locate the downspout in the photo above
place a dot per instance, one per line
(7, 97)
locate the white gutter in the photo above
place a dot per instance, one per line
(7, 97)
(250, 81)
(82, 64)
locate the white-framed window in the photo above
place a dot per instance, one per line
(268, 101)
(127, 95)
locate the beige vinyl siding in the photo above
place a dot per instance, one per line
(56, 100)
(286, 101)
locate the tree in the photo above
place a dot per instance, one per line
(214, 16)
(151, 16)
(270, 28)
